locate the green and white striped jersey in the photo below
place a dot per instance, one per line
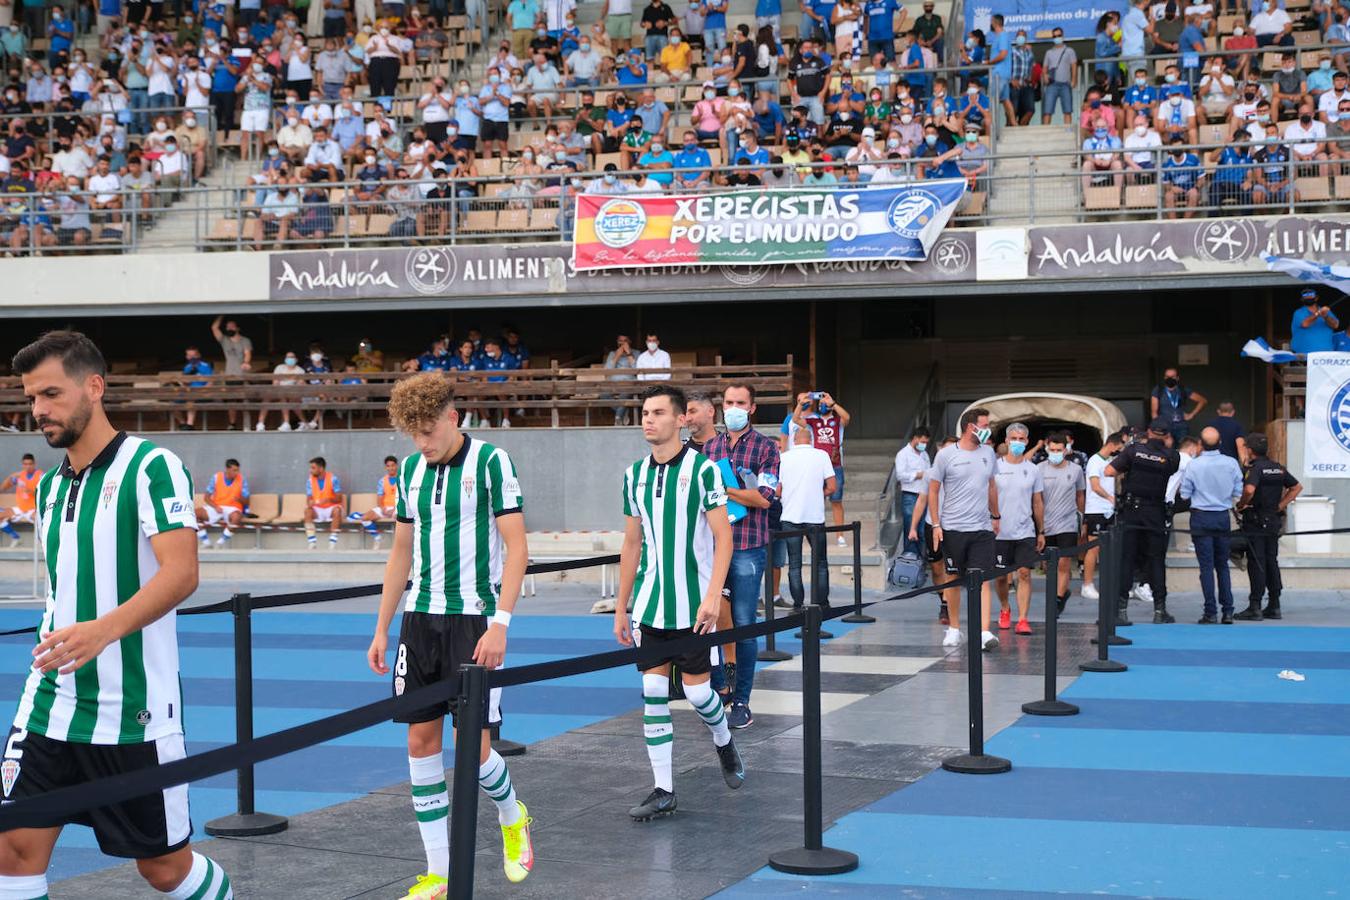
(673, 500)
(95, 527)
(453, 508)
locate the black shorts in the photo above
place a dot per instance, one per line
(431, 648)
(1018, 554)
(698, 662)
(1096, 523)
(142, 828)
(1063, 541)
(933, 553)
(494, 131)
(964, 550)
(466, 142)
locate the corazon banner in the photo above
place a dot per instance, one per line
(1326, 450)
(1040, 17)
(841, 223)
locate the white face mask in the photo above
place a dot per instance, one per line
(906, 118)
(652, 345)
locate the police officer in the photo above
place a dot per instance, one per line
(1141, 498)
(1267, 489)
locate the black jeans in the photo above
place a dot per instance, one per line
(820, 564)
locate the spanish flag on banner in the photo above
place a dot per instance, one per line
(756, 227)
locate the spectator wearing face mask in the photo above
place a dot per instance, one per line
(196, 366)
(653, 358)
(382, 63)
(1176, 118)
(287, 373)
(608, 183)
(256, 87)
(1183, 180)
(1306, 138)
(1272, 26)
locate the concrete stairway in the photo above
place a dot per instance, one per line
(1053, 196)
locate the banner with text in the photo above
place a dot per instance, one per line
(1038, 17)
(757, 227)
(1326, 449)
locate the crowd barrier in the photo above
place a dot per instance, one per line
(471, 685)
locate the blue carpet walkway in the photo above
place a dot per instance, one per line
(1197, 773)
(310, 665)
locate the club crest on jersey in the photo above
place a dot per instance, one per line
(109, 491)
(143, 717)
(684, 483)
(399, 685)
(9, 773)
(468, 485)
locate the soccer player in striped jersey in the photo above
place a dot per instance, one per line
(676, 552)
(24, 482)
(459, 506)
(102, 698)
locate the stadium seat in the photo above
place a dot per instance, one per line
(362, 503)
(1342, 187)
(292, 510)
(544, 218)
(1214, 134)
(1313, 189)
(1141, 196)
(513, 219)
(1107, 197)
(1306, 39)
(262, 508)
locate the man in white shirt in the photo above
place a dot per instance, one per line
(72, 160)
(317, 114)
(911, 470)
(169, 166)
(653, 358)
(583, 66)
(1330, 100)
(1099, 506)
(295, 138)
(326, 154)
(1272, 25)
(104, 185)
(437, 107)
(1306, 137)
(805, 478)
(1141, 146)
(543, 81)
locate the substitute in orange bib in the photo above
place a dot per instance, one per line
(24, 482)
(323, 502)
(386, 502)
(224, 503)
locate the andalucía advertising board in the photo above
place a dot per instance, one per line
(840, 223)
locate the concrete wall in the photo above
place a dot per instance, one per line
(571, 476)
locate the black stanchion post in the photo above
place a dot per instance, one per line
(1106, 602)
(976, 762)
(246, 822)
(814, 858)
(1123, 571)
(770, 652)
(857, 616)
(473, 692)
(815, 538)
(1051, 705)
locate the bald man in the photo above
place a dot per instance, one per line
(1213, 484)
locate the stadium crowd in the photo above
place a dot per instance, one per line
(406, 119)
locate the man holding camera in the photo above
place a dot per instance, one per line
(827, 421)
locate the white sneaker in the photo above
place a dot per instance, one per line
(222, 541)
(506, 423)
(603, 606)
(261, 426)
(841, 541)
(1144, 593)
(14, 542)
(952, 638)
(313, 543)
(988, 640)
(1089, 592)
(203, 536)
(285, 426)
(375, 541)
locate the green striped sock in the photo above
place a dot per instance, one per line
(709, 708)
(431, 805)
(495, 780)
(659, 730)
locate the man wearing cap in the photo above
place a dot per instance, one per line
(1213, 484)
(608, 183)
(1267, 490)
(1314, 326)
(1145, 468)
